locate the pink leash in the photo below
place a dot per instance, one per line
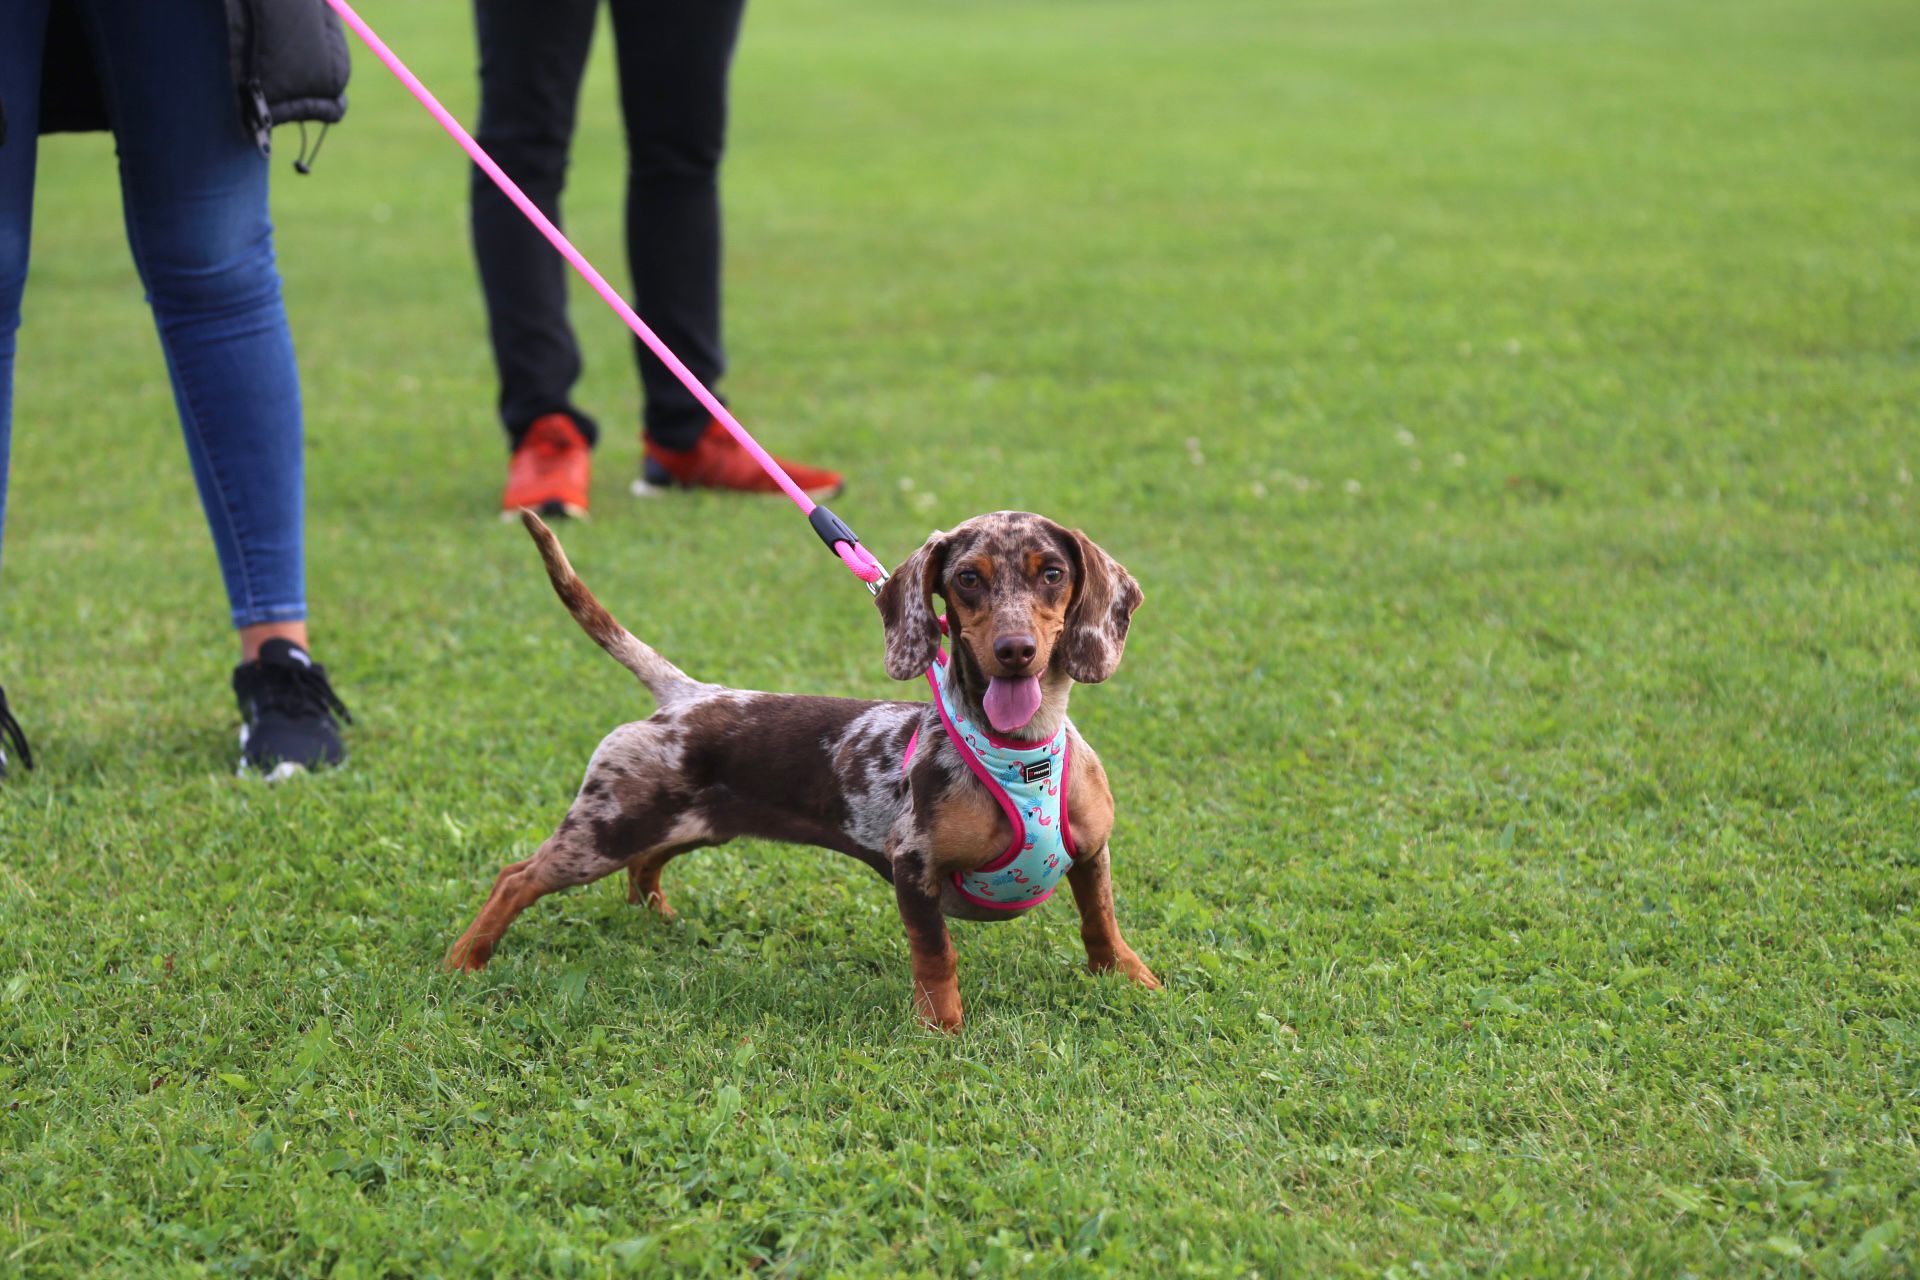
(832, 529)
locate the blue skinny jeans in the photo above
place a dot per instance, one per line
(194, 195)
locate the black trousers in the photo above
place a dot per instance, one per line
(673, 58)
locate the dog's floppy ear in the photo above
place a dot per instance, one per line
(1104, 598)
(906, 609)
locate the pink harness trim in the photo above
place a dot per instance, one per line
(999, 793)
(856, 557)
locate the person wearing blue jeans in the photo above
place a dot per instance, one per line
(190, 117)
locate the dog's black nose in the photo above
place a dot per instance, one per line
(1014, 651)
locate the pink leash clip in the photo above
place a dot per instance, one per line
(833, 531)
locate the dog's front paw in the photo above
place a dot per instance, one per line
(1131, 966)
(948, 1026)
(938, 1007)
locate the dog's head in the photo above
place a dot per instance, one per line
(1025, 597)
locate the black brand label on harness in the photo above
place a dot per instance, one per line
(1035, 771)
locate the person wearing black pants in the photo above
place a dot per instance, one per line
(673, 58)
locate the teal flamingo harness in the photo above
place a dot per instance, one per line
(1029, 781)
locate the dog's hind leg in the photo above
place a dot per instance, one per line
(567, 858)
(632, 810)
(643, 878)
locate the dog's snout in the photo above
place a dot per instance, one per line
(1015, 651)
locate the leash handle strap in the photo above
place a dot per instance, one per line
(856, 557)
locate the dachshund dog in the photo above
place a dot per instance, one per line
(948, 810)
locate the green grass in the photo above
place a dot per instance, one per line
(1509, 407)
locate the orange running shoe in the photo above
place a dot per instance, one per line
(549, 470)
(718, 462)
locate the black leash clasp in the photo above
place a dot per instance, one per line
(834, 532)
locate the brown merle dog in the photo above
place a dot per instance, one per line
(1030, 604)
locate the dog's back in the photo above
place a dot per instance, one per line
(812, 770)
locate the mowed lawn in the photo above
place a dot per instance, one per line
(1509, 407)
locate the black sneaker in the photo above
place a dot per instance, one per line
(288, 710)
(12, 733)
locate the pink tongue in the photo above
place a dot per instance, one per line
(1011, 703)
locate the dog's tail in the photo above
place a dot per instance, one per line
(660, 676)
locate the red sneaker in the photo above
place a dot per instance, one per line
(549, 470)
(718, 462)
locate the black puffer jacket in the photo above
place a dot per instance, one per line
(288, 59)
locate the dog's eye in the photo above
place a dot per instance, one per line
(1052, 573)
(967, 578)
